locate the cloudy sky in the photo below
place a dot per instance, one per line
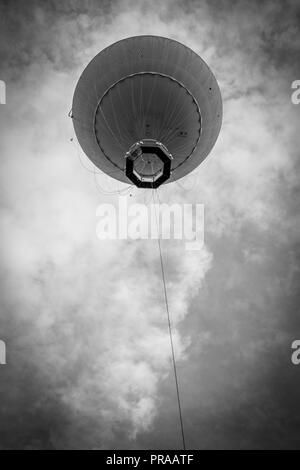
(88, 353)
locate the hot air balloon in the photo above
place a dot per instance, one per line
(147, 110)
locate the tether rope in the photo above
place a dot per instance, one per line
(169, 323)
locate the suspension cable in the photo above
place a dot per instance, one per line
(169, 322)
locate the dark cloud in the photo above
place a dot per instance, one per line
(88, 352)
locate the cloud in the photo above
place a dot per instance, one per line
(84, 320)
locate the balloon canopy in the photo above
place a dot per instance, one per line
(147, 110)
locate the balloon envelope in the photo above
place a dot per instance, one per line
(147, 89)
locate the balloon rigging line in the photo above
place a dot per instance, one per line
(82, 164)
(94, 167)
(114, 114)
(181, 186)
(181, 116)
(141, 107)
(124, 107)
(110, 193)
(165, 115)
(94, 172)
(134, 107)
(169, 323)
(151, 94)
(172, 113)
(111, 131)
(172, 131)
